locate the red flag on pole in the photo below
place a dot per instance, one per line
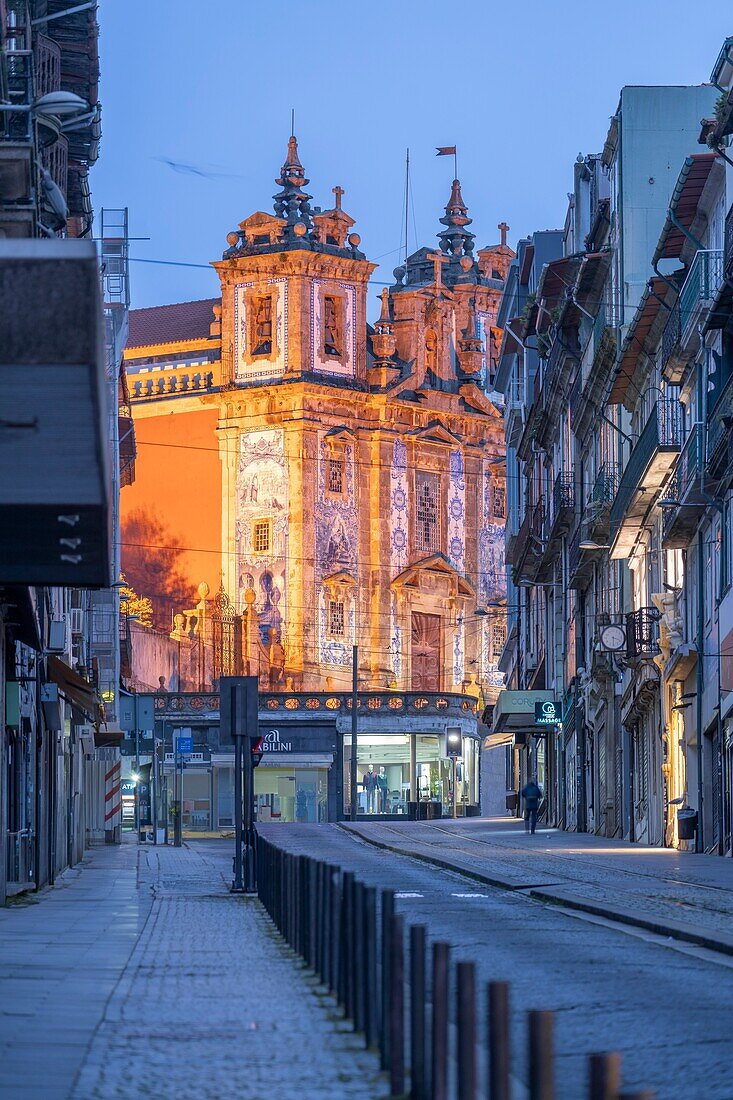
(445, 151)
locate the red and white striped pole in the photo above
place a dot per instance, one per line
(113, 803)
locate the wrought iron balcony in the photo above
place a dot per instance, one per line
(529, 545)
(648, 468)
(580, 562)
(603, 493)
(669, 344)
(728, 262)
(700, 287)
(685, 486)
(642, 633)
(563, 504)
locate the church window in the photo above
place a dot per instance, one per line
(336, 476)
(262, 337)
(499, 501)
(261, 238)
(498, 638)
(427, 512)
(262, 536)
(495, 274)
(336, 622)
(332, 326)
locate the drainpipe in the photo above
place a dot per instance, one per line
(700, 841)
(690, 236)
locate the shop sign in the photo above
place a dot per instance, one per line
(271, 742)
(546, 713)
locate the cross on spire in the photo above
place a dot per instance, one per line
(438, 260)
(503, 229)
(338, 192)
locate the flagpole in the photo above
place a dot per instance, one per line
(407, 200)
(455, 162)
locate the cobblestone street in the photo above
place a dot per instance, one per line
(140, 975)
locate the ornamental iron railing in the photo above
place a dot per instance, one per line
(701, 285)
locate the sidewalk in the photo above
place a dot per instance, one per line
(140, 975)
(672, 893)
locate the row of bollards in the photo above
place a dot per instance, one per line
(349, 934)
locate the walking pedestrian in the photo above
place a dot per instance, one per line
(532, 794)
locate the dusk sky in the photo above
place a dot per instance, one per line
(521, 89)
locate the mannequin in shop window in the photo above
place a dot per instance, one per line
(382, 791)
(369, 783)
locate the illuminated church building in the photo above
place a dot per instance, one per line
(342, 483)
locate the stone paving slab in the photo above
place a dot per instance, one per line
(196, 995)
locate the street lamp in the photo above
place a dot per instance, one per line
(591, 544)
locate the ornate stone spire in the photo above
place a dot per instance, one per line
(470, 345)
(292, 202)
(456, 241)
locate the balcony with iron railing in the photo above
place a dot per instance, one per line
(686, 487)
(560, 517)
(649, 466)
(728, 254)
(580, 559)
(699, 289)
(642, 633)
(602, 496)
(527, 555)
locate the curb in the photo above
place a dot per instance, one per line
(722, 945)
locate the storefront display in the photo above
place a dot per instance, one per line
(396, 769)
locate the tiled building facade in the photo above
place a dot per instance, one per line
(349, 483)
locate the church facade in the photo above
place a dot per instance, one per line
(333, 484)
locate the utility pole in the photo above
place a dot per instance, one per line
(354, 727)
(237, 884)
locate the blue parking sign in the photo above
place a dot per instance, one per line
(185, 744)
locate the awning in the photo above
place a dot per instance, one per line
(646, 314)
(494, 740)
(721, 311)
(21, 616)
(515, 710)
(683, 204)
(591, 277)
(108, 737)
(78, 691)
(557, 278)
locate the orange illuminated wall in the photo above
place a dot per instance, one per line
(171, 514)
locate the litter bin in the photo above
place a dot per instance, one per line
(511, 800)
(686, 823)
(412, 808)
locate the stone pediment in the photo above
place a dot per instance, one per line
(435, 432)
(339, 583)
(434, 575)
(341, 431)
(260, 219)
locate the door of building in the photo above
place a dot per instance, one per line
(426, 654)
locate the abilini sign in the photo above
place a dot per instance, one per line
(546, 713)
(271, 742)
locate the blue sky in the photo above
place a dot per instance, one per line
(521, 88)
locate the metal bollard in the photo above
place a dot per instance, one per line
(387, 899)
(371, 1031)
(466, 1017)
(345, 971)
(498, 1005)
(541, 1068)
(604, 1076)
(441, 958)
(397, 1006)
(335, 929)
(418, 1076)
(358, 955)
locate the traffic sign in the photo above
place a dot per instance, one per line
(184, 744)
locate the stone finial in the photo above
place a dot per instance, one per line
(292, 203)
(503, 229)
(470, 346)
(338, 192)
(456, 241)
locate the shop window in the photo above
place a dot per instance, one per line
(336, 620)
(332, 326)
(262, 335)
(336, 476)
(499, 503)
(262, 536)
(427, 512)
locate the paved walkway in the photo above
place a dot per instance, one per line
(140, 975)
(661, 889)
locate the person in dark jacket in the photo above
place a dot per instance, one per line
(532, 795)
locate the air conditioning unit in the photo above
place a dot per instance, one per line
(57, 636)
(86, 738)
(76, 616)
(530, 661)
